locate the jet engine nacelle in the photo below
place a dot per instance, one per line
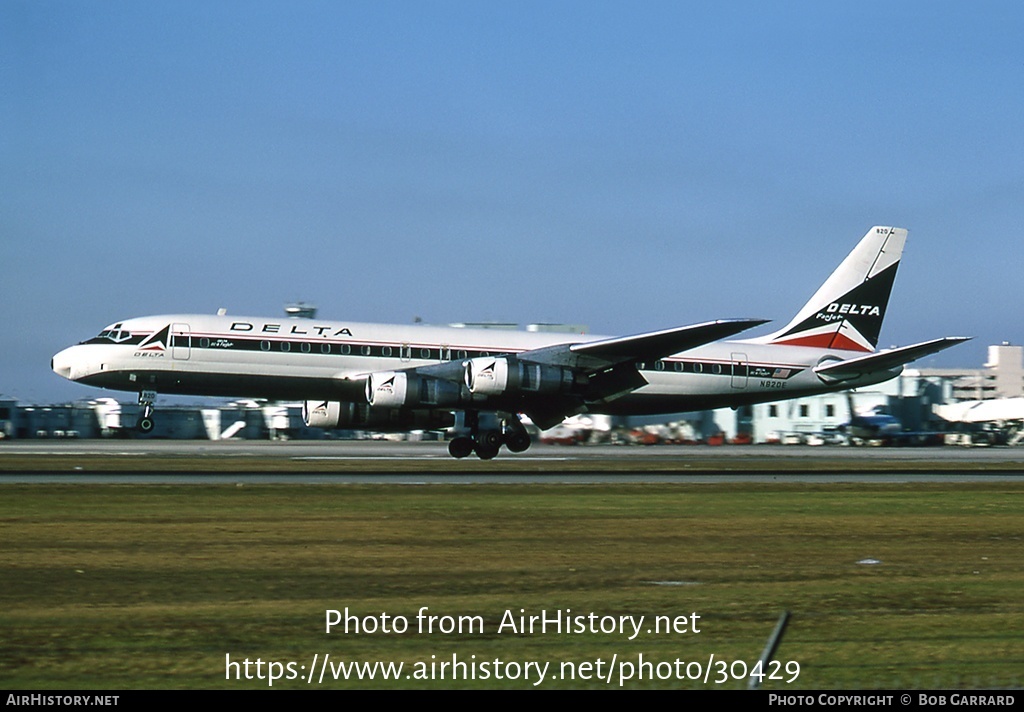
(398, 389)
(334, 415)
(387, 389)
(503, 375)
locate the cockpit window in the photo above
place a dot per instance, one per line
(115, 334)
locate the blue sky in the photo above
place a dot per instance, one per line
(630, 166)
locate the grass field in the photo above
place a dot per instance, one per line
(152, 586)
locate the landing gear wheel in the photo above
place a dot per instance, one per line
(145, 425)
(486, 452)
(491, 439)
(460, 447)
(518, 441)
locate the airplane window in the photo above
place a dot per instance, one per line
(204, 343)
(678, 365)
(385, 351)
(462, 353)
(424, 353)
(346, 349)
(717, 368)
(304, 348)
(285, 346)
(698, 368)
(115, 335)
(659, 365)
(264, 346)
(365, 350)
(325, 348)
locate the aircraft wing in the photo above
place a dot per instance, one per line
(659, 344)
(608, 367)
(650, 346)
(597, 355)
(884, 360)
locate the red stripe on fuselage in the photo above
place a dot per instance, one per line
(826, 341)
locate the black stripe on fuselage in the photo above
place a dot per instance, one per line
(230, 385)
(434, 353)
(405, 352)
(134, 340)
(424, 352)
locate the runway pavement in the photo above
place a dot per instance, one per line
(419, 462)
(425, 449)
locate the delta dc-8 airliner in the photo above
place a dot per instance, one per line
(477, 382)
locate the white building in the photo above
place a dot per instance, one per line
(1001, 377)
(909, 398)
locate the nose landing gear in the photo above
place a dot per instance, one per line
(145, 423)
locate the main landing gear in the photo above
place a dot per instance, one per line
(485, 433)
(145, 422)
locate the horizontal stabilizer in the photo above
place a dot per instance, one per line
(659, 344)
(884, 360)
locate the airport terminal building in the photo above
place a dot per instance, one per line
(911, 399)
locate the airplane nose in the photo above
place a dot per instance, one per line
(61, 364)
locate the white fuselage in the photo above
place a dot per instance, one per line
(299, 359)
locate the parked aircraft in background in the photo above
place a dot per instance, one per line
(994, 421)
(393, 377)
(874, 425)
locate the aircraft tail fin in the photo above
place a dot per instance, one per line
(847, 310)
